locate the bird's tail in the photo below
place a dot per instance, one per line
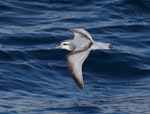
(101, 45)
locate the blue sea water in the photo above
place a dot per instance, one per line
(33, 74)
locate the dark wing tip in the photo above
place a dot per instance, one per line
(80, 84)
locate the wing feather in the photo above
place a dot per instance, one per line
(81, 33)
(75, 61)
(82, 42)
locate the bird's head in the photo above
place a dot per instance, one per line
(65, 45)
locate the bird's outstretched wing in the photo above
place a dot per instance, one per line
(75, 61)
(81, 33)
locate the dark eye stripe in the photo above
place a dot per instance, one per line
(65, 44)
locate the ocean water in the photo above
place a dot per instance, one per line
(34, 78)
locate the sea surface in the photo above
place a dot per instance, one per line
(34, 78)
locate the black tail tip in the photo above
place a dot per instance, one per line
(111, 46)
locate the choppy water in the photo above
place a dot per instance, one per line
(33, 75)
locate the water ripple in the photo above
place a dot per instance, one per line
(34, 75)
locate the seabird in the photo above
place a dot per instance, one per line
(80, 48)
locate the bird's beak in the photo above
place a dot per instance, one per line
(58, 47)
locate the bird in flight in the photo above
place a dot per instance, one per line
(80, 48)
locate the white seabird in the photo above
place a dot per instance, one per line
(80, 48)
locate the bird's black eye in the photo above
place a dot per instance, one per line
(65, 44)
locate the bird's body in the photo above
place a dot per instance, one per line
(80, 48)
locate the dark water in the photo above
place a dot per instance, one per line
(33, 75)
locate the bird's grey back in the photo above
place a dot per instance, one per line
(81, 39)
